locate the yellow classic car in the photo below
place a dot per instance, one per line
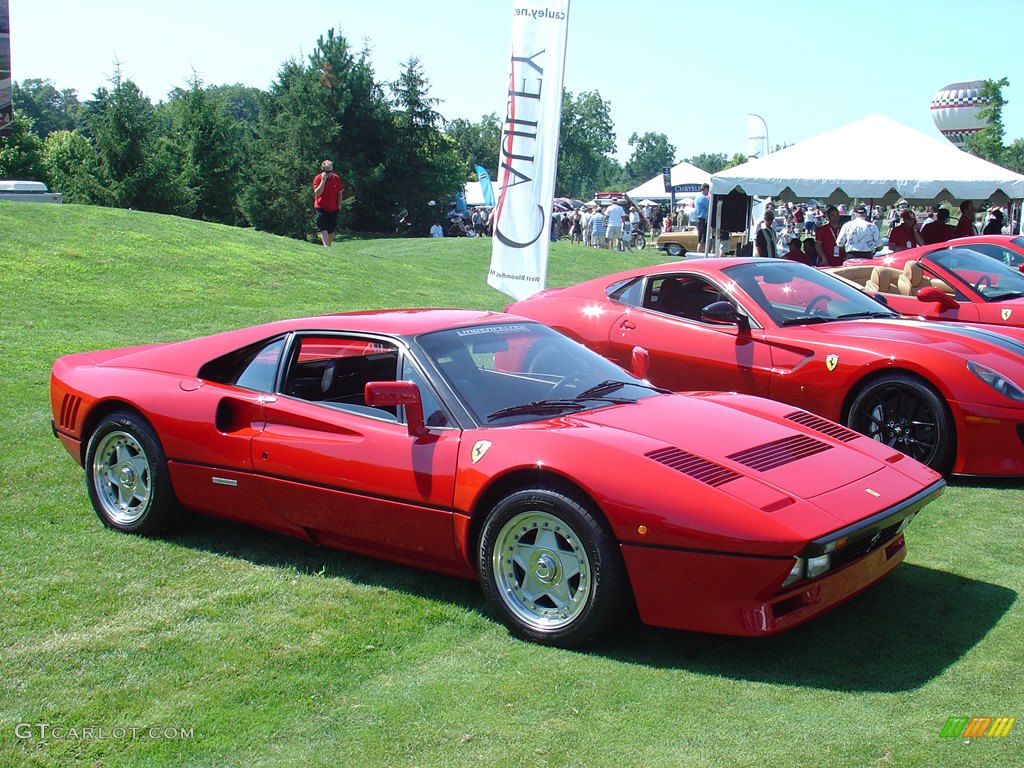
(681, 241)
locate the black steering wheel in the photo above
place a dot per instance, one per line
(567, 385)
(816, 300)
(983, 282)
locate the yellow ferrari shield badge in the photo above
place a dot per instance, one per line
(831, 361)
(480, 449)
(1006, 314)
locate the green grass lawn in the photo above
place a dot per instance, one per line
(258, 650)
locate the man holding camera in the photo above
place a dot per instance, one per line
(327, 189)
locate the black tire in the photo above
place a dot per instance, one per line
(639, 242)
(126, 476)
(907, 414)
(550, 570)
(675, 250)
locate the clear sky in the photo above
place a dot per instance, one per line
(689, 69)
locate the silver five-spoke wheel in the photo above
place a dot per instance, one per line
(126, 475)
(122, 474)
(551, 568)
(541, 570)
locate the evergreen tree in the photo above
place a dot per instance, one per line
(330, 108)
(210, 156)
(425, 167)
(140, 164)
(73, 168)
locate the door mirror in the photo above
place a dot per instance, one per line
(944, 300)
(641, 362)
(722, 313)
(385, 394)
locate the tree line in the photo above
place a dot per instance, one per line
(244, 156)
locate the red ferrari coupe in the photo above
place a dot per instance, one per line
(493, 448)
(970, 280)
(949, 395)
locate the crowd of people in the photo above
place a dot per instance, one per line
(826, 236)
(812, 233)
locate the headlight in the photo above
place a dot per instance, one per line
(997, 381)
(818, 565)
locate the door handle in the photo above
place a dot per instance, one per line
(627, 326)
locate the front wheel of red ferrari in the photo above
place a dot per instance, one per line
(127, 478)
(907, 414)
(551, 571)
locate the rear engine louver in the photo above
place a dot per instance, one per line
(699, 468)
(779, 452)
(69, 412)
(826, 427)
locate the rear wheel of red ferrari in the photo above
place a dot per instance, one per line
(126, 476)
(907, 414)
(551, 571)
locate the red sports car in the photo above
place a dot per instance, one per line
(493, 448)
(970, 280)
(949, 395)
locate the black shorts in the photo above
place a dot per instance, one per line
(702, 230)
(326, 221)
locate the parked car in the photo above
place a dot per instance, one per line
(678, 243)
(947, 394)
(959, 282)
(491, 447)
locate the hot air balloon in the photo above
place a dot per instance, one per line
(955, 111)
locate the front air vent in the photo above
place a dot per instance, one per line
(779, 452)
(826, 427)
(697, 467)
(69, 412)
(1020, 433)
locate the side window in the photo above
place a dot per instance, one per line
(680, 296)
(334, 371)
(253, 367)
(628, 292)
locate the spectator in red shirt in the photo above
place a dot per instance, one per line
(965, 227)
(906, 235)
(327, 191)
(938, 231)
(829, 255)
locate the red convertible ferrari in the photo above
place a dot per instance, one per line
(969, 280)
(493, 448)
(950, 395)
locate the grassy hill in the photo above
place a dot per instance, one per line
(255, 650)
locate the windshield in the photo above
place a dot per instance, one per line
(516, 372)
(795, 294)
(992, 279)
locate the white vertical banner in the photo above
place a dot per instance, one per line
(528, 158)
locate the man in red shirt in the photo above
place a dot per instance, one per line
(327, 188)
(965, 227)
(829, 255)
(906, 235)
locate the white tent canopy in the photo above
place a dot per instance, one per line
(682, 173)
(872, 159)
